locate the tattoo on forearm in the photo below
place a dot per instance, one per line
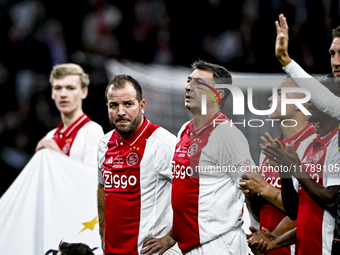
(276, 195)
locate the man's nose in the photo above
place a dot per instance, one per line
(121, 110)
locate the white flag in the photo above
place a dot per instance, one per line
(54, 198)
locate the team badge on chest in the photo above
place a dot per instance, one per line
(317, 157)
(192, 149)
(132, 158)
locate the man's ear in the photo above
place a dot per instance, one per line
(85, 92)
(142, 104)
(221, 94)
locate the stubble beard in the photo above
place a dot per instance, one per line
(129, 130)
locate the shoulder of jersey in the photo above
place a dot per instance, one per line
(229, 137)
(226, 130)
(162, 134)
(163, 131)
(50, 134)
(106, 138)
(334, 139)
(182, 128)
(91, 124)
(303, 145)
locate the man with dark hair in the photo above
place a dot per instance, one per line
(134, 173)
(336, 32)
(74, 249)
(220, 75)
(119, 82)
(209, 158)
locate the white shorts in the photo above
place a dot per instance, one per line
(230, 243)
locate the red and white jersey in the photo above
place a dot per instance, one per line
(80, 140)
(136, 175)
(315, 226)
(270, 217)
(207, 165)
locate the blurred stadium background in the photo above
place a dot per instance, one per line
(155, 41)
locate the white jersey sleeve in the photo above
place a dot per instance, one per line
(86, 143)
(50, 134)
(322, 98)
(332, 164)
(165, 143)
(229, 149)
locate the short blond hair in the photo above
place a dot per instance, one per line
(60, 71)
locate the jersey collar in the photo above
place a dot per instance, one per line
(69, 130)
(197, 131)
(302, 135)
(326, 139)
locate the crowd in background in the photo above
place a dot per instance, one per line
(37, 34)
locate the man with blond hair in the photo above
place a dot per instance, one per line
(77, 135)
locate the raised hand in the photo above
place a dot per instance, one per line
(286, 157)
(281, 44)
(268, 140)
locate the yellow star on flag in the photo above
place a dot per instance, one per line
(90, 224)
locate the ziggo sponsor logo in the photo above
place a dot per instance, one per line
(181, 171)
(118, 181)
(274, 181)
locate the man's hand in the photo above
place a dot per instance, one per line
(256, 244)
(48, 143)
(260, 240)
(252, 182)
(158, 244)
(286, 157)
(281, 44)
(269, 141)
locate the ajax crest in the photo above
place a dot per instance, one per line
(192, 149)
(132, 158)
(317, 157)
